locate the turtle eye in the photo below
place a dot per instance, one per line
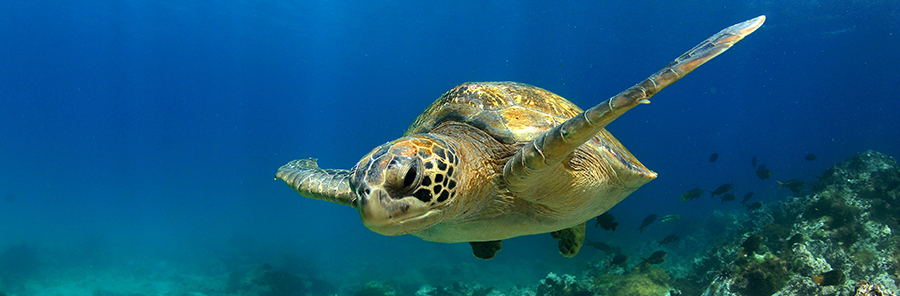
(410, 177)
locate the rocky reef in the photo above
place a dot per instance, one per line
(838, 240)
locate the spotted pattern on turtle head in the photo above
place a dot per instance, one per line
(439, 182)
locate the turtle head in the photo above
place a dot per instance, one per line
(403, 186)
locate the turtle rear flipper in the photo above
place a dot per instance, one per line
(549, 149)
(305, 177)
(570, 240)
(486, 250)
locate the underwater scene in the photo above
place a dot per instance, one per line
(158, 148)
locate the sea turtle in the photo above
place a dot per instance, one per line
(495, 160)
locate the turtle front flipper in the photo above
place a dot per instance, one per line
(549, 149)
(570, 240)
(323, 184)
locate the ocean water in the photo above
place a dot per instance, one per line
(139, 139)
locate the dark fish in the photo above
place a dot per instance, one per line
(600, 246)
(669, 239)
(619, 259)
(692, 194)
(728, 197)
(797, 238)
(817, 186)
(831, 278)
(656, 258)
(747, 197)
(713, 157)
(826, 174)
(811, 157)
(605, 220)
(754, 161)
(646, 222)
(669, 218)
(750, 245)
(763, 173)
(890, 187)
(754, 206)
(722, 189)
(793, 184)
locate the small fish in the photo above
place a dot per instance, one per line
(797, 238)
(722, 189)
(831, 278)
(669, 218)
(763, 173)
(600, 246)
(890, 186)
(750, 245)
(790, 183)
(713, 157)
(794, 184)
(656, 258)
(605, 220)
(728, 197)
(646, 222)
(692, 194)
(754, 161)
(826, 174)
(747, 197)
(619, 259)
(811, 157)
(667, 240)
(754, 206)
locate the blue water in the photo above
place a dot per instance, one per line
(150, 131)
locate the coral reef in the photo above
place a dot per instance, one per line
(377, 288)
(565, 285)
(863, 288)
(457, 289)
(761, 276)
(845, 227)
(650, 283)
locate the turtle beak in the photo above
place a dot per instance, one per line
(387, 216)
(373, 210)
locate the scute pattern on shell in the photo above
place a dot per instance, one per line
(509, 111)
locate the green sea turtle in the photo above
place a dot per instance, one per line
(496, 160)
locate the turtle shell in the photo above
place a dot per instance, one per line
(510, 112)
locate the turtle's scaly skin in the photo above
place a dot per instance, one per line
(495, 160)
